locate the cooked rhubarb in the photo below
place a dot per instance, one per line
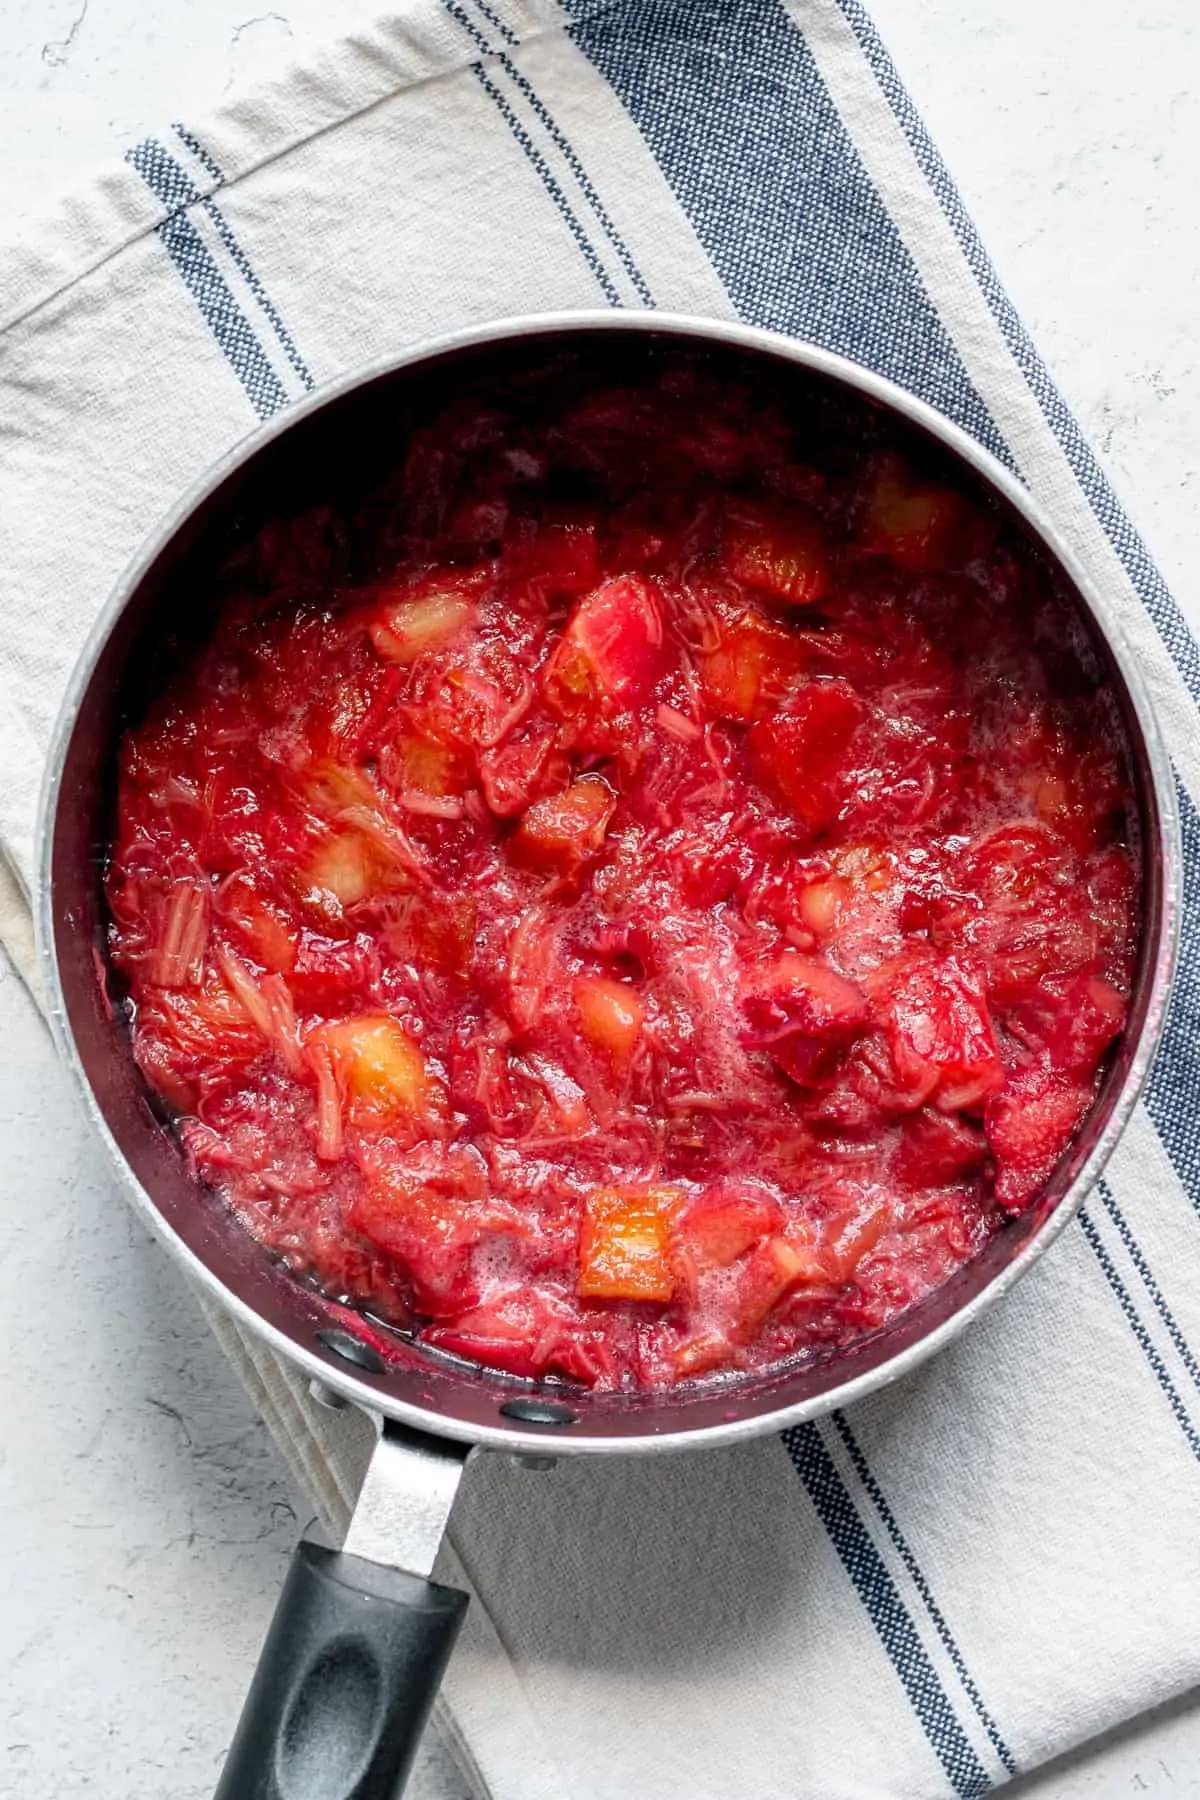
(643, 893)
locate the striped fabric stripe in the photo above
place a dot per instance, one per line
(1137, 1257)
(242, 263)
(204, 281)
(560, 144)
(583, 242)
(230, 327)
(1152, 1322)
(879, 1594)
(1172, 1096)
(940, 1624)
(494, 19)
(204, 157)
(167, 181)
(1137, 1326)
(238, 256)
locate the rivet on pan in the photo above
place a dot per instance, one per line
(539, 1412)
(351, 1349)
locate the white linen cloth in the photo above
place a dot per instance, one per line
(998, 1557)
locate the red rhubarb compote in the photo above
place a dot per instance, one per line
(643, 891)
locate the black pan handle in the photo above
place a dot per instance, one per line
(349, 1671)
(357, 1647)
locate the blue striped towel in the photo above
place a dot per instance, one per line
(999, 1557)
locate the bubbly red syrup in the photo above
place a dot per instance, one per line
(634, 899)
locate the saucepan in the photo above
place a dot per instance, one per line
(362, 1636)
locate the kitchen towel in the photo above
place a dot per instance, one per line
(998, 1557)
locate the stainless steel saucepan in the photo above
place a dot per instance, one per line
(361, 1637)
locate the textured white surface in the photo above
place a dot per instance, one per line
(146, 1516)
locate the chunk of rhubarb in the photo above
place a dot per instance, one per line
(719, 1226)
(819, 904)
(195, 1039)
(1028, 1126)
(427, 776)
(432, 931)
(405, 628)
(700, 1353)
(779, 550)
(746, 665)
(803, 1013)
(526, 1334)
(768, 1274)
(624, 1244)
(848, 1239)
(429, 767)
(267, 1002)
(427, 1209)
(914, 522)
(264, 933)
(611, 1016)
(480, 700)
(559, 834)
(332, 788)
(533, 966)
(178, 961)
(348, 866)
(611, 653)
(940, 1032)
(1017, 865)
(382, 1072)
(805, 753)
(1073, 1019)
(938, 1148)
(515, 774)
(349, 801)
